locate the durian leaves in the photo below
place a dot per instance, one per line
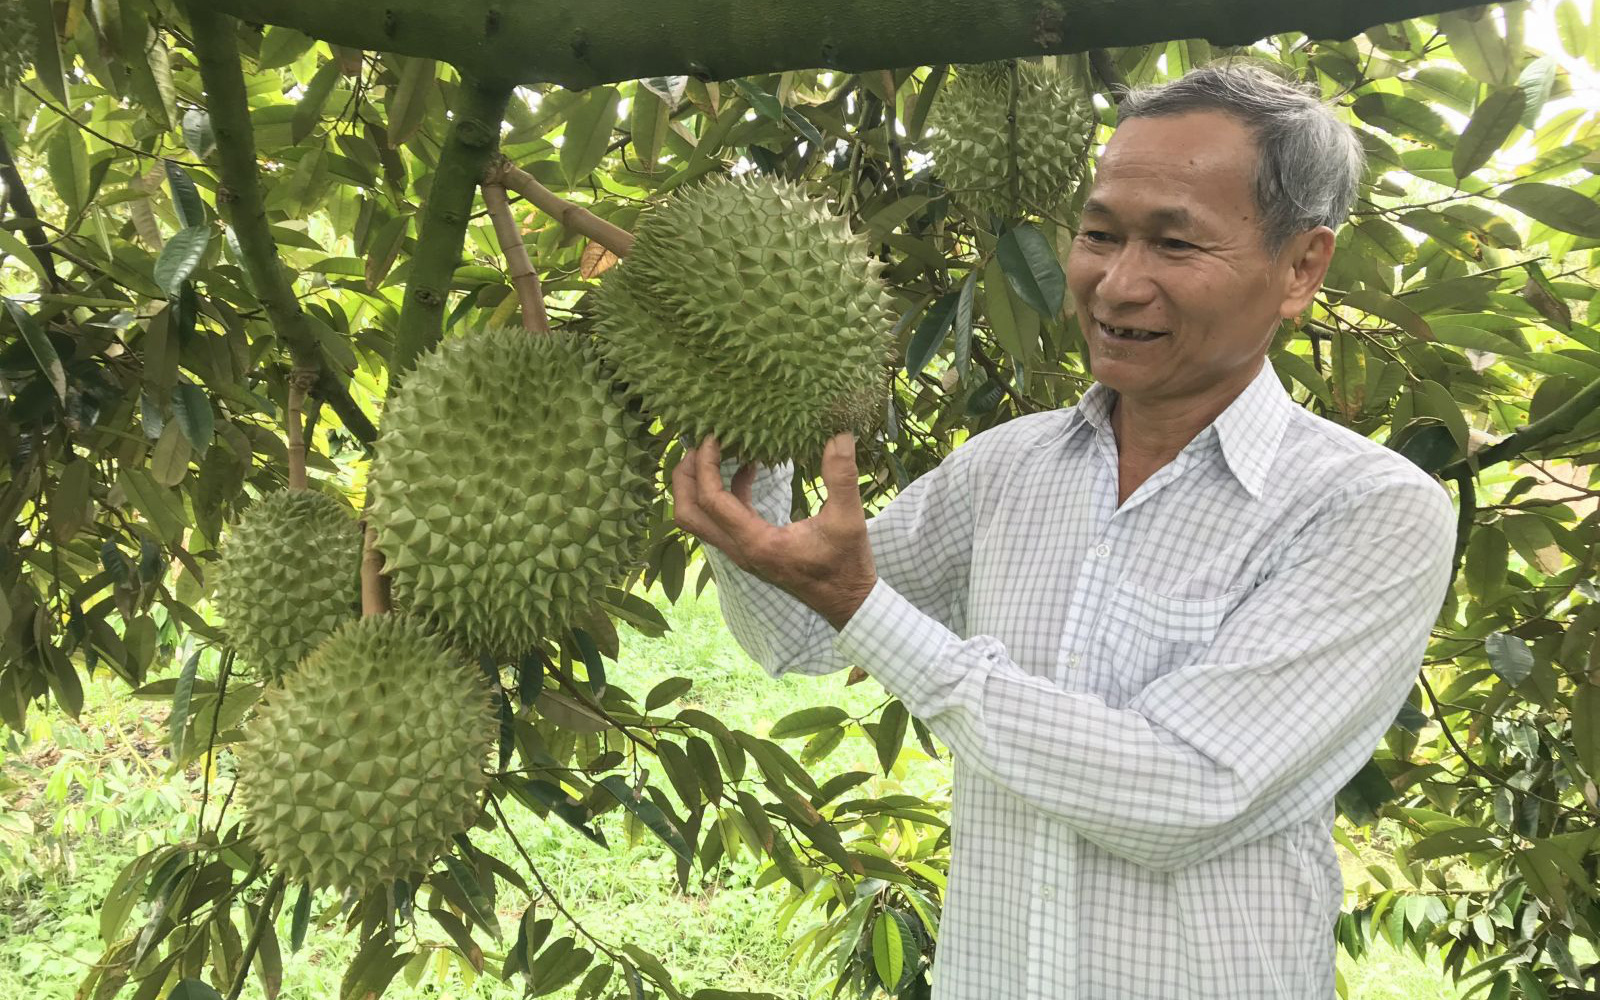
(648, 813)
(936, 322)
(1030, 265)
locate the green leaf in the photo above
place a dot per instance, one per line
(309, 111)
(1459, 840)
(197, 133)
(44, 353)
(924, 344)
(180, 257)
(282, 46)
(1404, 117)
(178, 721)
(301, 919)
(963, 322)
(1486, 561)
(25, 256)
(193, 989)
(478, 906)
(893, 949)
(759, 99)
(192, 411)
(1488, 130)
(648, 121)
(1427, 442)
(1509, 656)
(169, 460)
(588, 133)
(408, 105)
(158, 504)
(1574, 34)
(666, 692)
(890, 735)
(1031, 267)
(1434, 400)
(1531, 536)
(648, 813)
(1537, 82)
(68, 162)
(807, 721)
(803, 125)
(1557, 207)
(1477, 44)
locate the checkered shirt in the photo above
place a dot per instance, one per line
(1150, 707)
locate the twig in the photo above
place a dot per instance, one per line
(573, 217)
(1110, 76)
(263, 921)
(64, 113)
(223, 670)
(518, 265)
(1558, 421)
(374, 585)
(1014, 75)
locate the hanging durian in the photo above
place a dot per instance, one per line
(368, 758)
(748, 310)
(289, 574)
(511, 486)
(974, 145)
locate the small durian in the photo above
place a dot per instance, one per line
(972, 146)
(289, 574)
(747, 309)
(511, 486)
(368, 758)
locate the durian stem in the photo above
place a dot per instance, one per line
(573, 217)
(263, 921)
(240, 191)
(1116, 86)
(374, 585)
(518, 265)
(474, 137)
(300, 381)
(28, 216)
(1015, 173)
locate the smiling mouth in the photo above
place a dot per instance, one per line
(1132, 335)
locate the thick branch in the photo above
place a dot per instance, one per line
(473, 139)
(240, 192)
(374, 585)
(1105, 68)
(518, 265)
(1558, 421)
(578, 43)
(573, 217)
(22, 207)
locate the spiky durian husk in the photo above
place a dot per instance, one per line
(290, 573)
(368, 758)
(971, 141)
(510, 487)
(748, 310)
(16, 42)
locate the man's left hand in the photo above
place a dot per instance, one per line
(825, 561)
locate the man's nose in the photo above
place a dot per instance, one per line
(1127, 278)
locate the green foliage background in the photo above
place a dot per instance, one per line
(144, 379)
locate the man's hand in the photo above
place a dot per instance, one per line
(825, 561)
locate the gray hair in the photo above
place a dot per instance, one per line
(1310, 162)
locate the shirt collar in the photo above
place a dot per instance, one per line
(1248, 431)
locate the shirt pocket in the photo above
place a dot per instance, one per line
(1148, 634)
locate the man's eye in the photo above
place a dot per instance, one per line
(1096, 236)
(1176, 245)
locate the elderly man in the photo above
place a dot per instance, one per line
(1159, 629)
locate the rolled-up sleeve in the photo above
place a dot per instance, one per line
(1288, 701)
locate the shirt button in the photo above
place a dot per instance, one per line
(1102, 550)
(1072, 660)
(1045, 892)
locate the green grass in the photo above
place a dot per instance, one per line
(723, 936)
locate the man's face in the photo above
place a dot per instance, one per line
(1170, 242)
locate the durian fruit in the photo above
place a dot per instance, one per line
(511, 486)
(290, 573)
(972, 139)
(16, 42)
(368, 758)
(748, 310)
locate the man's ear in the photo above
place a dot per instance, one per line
(1306, 258)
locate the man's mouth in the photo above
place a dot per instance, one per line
(1129, 333)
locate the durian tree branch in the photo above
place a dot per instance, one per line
(575, 218)
(518, 265)
(1558, 421)
(240, 190)
(22, 206)
(300, 380)
(1110, 77)
(263, 921)
(474, 137)
(374, 585)
(580, 43)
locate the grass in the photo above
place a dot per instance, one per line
(722, 936)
